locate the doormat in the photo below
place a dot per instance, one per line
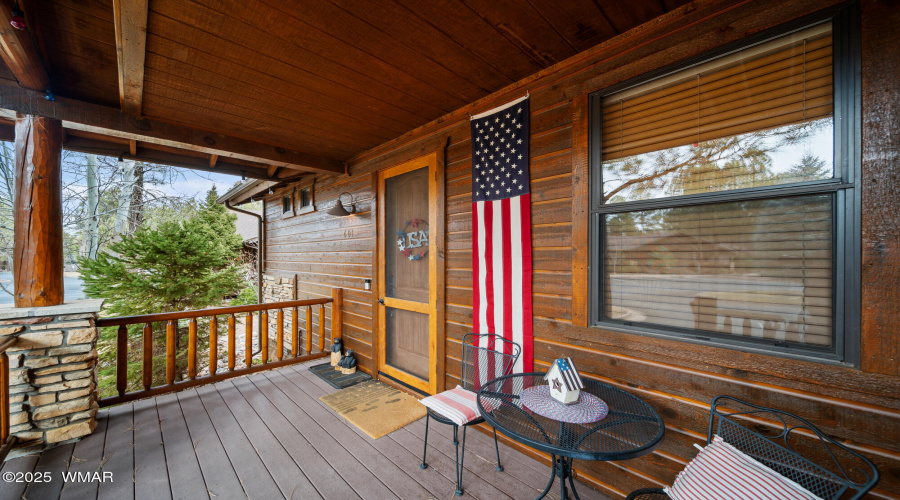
(337, 379)
(375, 408)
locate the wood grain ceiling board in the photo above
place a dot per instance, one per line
(265, 39)
(318, 108)
(581, 24)
(329, 77)
(78, 45)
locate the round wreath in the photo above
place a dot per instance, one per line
(416, 253)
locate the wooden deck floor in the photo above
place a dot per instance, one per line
(268, 436)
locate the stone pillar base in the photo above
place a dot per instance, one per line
(53, 373)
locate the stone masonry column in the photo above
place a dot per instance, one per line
(53, 372)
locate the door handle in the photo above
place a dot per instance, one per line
(381, 301)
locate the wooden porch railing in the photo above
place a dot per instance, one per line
(297, 353)
(6, 440)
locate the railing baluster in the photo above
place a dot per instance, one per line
(4, 398)
(171, 338)
(231, 346)
(213, 344)
(248, 341)
(279, 337)
(337, 310)
(122, 360)
(295, 332)
(148, 356)
(308, 329)
(264, 336)
(192, 349)
(321, 327)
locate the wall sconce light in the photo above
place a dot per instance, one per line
(367, 285)
(338, 209)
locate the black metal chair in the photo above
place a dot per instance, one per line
(790, 446)
(479, 365)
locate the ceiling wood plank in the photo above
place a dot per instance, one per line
(130, 17)
(20, 54)
(112, 122)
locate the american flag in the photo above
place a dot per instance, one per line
(501, 227)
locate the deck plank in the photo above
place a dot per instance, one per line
(118, 455)
(475, 486)
(292, 426)
(429, 479)
(335, 443)
(185, 475)
(249, 467)
(408, 463)
(14, 490)
(86, 458)
(287, 474)
(151, 477)
(55, 461)
(218, 473)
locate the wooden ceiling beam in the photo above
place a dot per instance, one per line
(212, 160)
(108, 148)
(20, 54)
(95, 118)
(130, 19)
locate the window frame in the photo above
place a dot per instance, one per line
(844, 187)
(299, 210)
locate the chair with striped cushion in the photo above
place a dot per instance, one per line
(755, 452)
(484, 358)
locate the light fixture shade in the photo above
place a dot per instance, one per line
(338, 209)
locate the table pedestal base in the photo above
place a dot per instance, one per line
(562, 468)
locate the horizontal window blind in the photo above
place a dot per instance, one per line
(757, 268)
(782, 82)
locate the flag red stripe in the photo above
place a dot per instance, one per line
(507, 271)
(488, 250)
(476, 289)
(527, 334)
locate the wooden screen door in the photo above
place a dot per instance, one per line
(406, 286)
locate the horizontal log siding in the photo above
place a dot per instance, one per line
(678, 379)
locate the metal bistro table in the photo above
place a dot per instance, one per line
(618, 427)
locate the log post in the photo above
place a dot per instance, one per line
(38, 250)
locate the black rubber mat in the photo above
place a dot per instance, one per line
(337, 379)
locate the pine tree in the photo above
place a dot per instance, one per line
(175, 266)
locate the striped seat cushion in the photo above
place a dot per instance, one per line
(721, 471)
(458, 405)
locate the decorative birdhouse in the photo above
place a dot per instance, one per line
(564, 381)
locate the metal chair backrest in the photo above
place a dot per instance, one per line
(793, 447)
(485, 357)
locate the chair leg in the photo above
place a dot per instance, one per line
(425, 448)
(497, 448)
(459, 460)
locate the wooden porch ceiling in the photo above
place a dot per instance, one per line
(328, 79)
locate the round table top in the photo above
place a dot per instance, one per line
(630, 429)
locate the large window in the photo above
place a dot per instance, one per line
(723, 199)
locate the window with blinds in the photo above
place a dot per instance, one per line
(718, 205)
(758, 117)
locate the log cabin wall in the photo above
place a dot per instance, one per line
(679, 379)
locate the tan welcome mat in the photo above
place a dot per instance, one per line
(375, 408)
